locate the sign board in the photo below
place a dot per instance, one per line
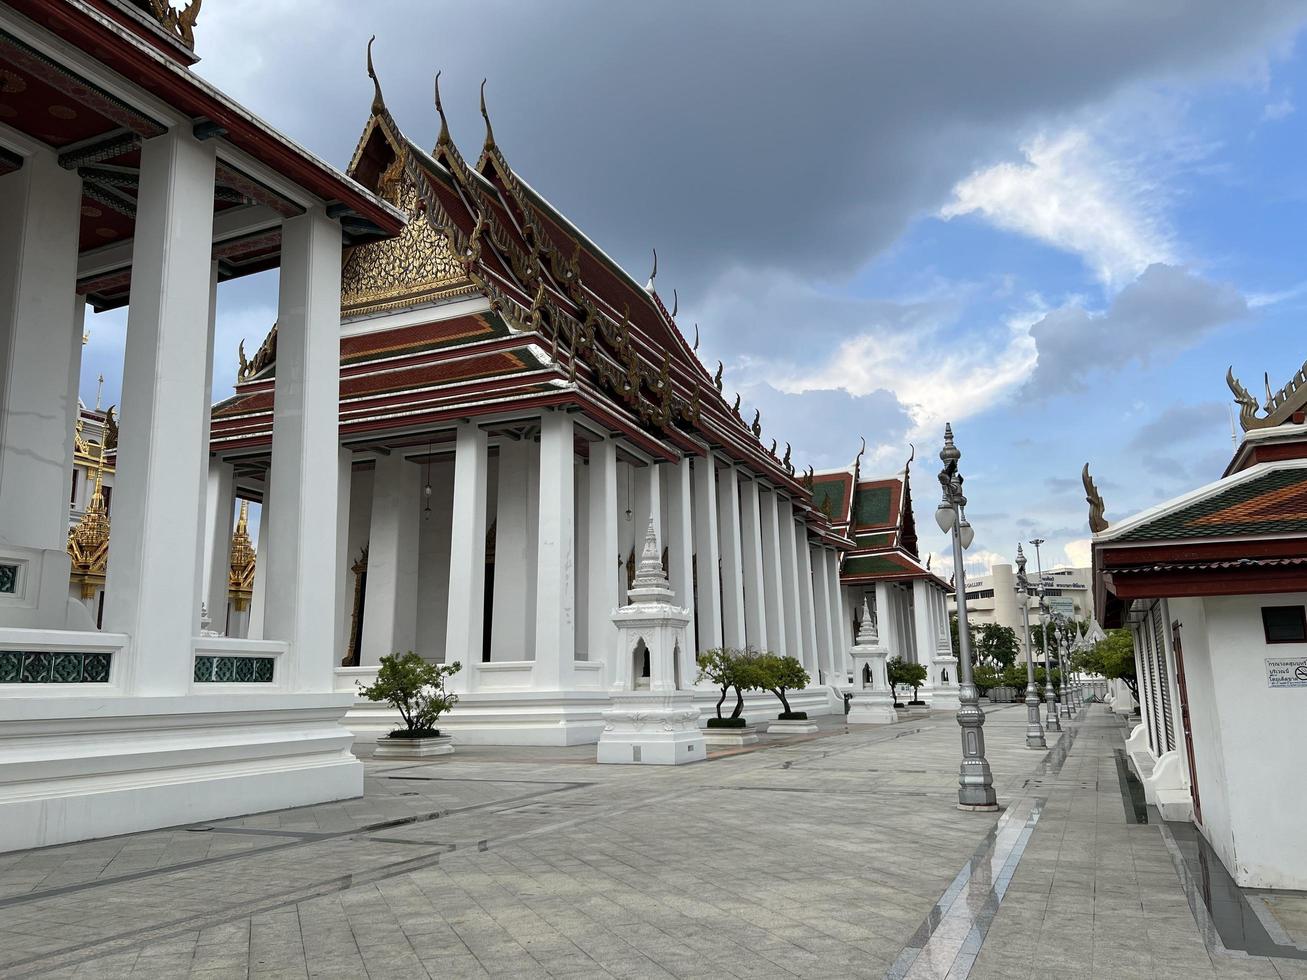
(1061, 604)
(1286, 671)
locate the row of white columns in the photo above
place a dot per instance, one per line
(761, 583)
(157, 577)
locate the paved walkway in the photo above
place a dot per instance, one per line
(830, 856)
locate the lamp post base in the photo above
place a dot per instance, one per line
(979, 807)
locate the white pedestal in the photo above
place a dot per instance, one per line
(413, 748)
(783, 726)
(867, 709)
(651, 728)
(731, 737)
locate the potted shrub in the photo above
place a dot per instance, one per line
(909, 675)
(779, 675)
(729, 670)
(416, 689)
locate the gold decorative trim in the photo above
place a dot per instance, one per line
(240, 576)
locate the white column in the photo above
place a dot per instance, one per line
(755, 598)
(842, 640)
(390, 605)
(305, 450)
(680, 557)
(732, 558)
(511, 635)
(789, 578)
(822, 611)
(161, 471)
(555, 616)
(465, 624)
(923, 627)
(601, 569)
(773, 586)
(259, 594)
(206, 517)
(809, 600)
(40, 358)
(708, 562)
(344, 577)
(220, 506)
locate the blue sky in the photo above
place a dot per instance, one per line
(1053, 225)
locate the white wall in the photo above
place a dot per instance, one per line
(1259, 736)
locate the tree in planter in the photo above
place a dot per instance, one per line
(778, 675)
(909, 675)
(730, 670)
(416, 688)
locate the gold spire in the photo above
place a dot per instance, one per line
(88, 542)
(490, 133)
(240, 578)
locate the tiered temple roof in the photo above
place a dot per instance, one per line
(877, 515)
(566, 325)
(1244, 533)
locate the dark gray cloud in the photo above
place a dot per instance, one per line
(1165, 310)
(791, 136)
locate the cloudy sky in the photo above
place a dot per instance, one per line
(1053, 224)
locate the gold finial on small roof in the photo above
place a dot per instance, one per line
(378, 103)
(485, 114)
(443, 139)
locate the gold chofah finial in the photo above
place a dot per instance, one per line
(654, 274)
(1097, 522)
(378, 103)
(443, 139)
(1247, 403)
(485, 114)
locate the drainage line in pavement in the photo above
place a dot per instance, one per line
(1132, 791)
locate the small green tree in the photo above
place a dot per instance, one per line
(730, 670)
(1014, 675)
(778, 675)
(1114, 659)
(416, 688)
(908, 674)
(984, 676)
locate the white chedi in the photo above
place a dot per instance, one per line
(653, 720)
(873, 701)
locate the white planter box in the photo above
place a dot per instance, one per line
(413, 748)
(792, 726)
(734, 737)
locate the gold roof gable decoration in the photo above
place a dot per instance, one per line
(88, 542)
(416, 266)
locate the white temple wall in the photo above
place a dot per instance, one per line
(433, 564)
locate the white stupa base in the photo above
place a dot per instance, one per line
(870, 710)
(652, 728)
(945, 699)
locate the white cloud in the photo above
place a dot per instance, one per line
(1077, 552)
(1073, 195)
(1276, 111)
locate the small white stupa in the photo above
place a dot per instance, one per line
(873, 701)
(653, 720)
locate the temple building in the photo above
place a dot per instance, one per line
(514, 408)
(126, 179)
(884, 573)
(1212, 586)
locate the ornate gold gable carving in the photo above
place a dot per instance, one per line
(416, 266)
(240, 574)
(88, 542)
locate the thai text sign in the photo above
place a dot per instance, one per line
(1286, 671)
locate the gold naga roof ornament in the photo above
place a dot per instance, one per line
(676, 303)
(717, 378)
(490, 132)
(1097, 522)
(756, 427)
(264, 357)
(1281, 406)
(444, 138)
(649, 286)
(180, 22)
(695, 348)
(857, 460)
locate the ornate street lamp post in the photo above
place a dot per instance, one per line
(1051, 722)
(1034, 731)
(1062, 637)
(975, 781)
